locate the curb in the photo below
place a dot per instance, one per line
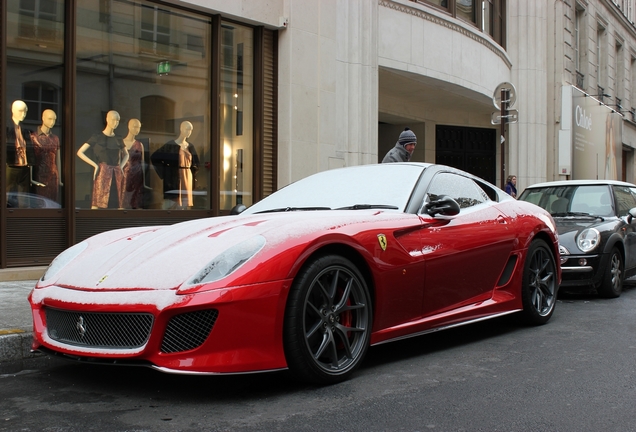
(15, 351)
(15, 343)
(21, 273)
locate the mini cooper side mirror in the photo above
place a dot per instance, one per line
(631, 215)
(443, 205)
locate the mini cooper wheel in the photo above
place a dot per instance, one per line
(327, 321)
(612, 283)
(539, 287)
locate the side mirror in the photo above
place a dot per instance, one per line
(238, 209)
(443, 205)
(631, 215)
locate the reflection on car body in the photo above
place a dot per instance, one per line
(305, 279)
(597, 230)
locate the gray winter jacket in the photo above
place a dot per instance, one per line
(397, 154)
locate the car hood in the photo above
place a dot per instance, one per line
(570, 228)
(165, 257)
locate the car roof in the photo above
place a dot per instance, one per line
(580, 183)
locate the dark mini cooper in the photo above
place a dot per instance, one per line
(597, 230)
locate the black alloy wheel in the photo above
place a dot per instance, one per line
(539, 287)
(327, 321)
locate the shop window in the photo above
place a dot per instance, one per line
(157, 114)
(34, 34)
(143, 103)
(237, 90)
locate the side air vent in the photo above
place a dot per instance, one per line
(507, 273)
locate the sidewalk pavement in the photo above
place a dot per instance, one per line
(16, 326)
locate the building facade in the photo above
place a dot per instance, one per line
(123, 113)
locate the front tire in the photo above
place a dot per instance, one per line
(612, 283)
(327, 321)
(539, 287)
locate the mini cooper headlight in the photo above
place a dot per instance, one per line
(63, 259)
(588, 239)
(228, 262)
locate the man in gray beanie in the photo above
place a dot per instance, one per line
(403, 147)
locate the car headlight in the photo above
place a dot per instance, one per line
(228, 262)
(588, 239)
(63, 259)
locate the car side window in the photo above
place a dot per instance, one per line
(624, 200)
(462, 189)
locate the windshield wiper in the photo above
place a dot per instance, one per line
(368, 206)
(565, 214)
(289, 209)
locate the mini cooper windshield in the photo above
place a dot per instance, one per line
(572, 200)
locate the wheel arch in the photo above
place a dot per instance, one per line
(542, 235)
(615, 241)
(349, 253)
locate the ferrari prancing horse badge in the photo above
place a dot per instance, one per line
(382, 241)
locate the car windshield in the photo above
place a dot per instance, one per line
(572, 200)
(383, 186)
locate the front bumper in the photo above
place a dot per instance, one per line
(582, 270)
(245, 334)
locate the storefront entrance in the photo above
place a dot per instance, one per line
(473, 150)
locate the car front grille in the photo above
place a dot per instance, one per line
(99, 329)
(188, 331)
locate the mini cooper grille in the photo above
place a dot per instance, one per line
(188, 331)
(99, 329)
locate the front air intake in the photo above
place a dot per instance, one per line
(99, 329)
(188, 331)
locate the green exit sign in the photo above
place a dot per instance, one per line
(163, 68)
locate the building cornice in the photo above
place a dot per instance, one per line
(450, 23)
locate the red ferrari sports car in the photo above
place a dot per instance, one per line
(306, 279)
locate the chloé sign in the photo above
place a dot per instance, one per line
(582, 119)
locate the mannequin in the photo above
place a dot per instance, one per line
(177, 163)
(47, 163)
(134, 171)
(19, 157)
(110, 156)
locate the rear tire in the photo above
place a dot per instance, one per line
(327, 321)
(539, 288)
(612, 283)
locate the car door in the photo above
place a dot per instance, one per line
(626, 200)
(464, 254)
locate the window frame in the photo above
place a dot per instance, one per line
(464, 204)
(497, 26)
